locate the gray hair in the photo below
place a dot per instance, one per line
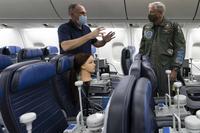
(72, 7)
(159, 6)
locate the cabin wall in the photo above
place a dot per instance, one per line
(125, 36)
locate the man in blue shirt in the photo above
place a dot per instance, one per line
(76, 37)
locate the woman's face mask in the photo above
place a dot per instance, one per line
(83, 20)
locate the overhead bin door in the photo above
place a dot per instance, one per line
(96, 9)
(176, 9)
(26, 9)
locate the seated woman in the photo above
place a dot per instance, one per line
(84, 66)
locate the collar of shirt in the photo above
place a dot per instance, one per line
(163, 23)
(74, 25)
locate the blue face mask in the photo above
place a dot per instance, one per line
(83, 20)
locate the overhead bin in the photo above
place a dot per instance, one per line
(176, 9)
(27, 9)
(96, 9)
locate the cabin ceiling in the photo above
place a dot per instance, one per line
(99, 11)
(96, 9)
(26, 9)
(175, 9)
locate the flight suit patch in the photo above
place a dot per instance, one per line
(148, 34)
(170, 51)
(167, 28)
(180, 56)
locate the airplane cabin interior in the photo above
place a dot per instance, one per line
(35, 88)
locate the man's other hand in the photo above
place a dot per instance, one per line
(108, 37)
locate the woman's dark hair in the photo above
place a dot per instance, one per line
(79, 60)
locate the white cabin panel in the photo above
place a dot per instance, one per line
(44, 36)
(10, 37)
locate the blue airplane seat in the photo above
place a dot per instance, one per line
(5, 61)
(11, 51)
(63, 94)
(141, 67)
(120, 104)
(135, 68)
(127, 58)
(29, 54)
(1, 131)
(142, 118)
(1, 50)
(130, 109)
(27, 87)
(50, 51)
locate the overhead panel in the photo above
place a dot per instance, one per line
(198, 14)
(26, 9)
(96, 9)
(175, 9)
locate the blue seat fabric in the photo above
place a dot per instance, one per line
(19, 95)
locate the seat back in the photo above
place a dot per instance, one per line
(5, 61)
(11, 51)
(142, 117)
(141, 67)
(118, 120)
(1, 50)
(25, 89)
(50, 51)
(1, 131)
(62, 91)
(135, 68)
(131, 103)
(29, 54)
(127, 58)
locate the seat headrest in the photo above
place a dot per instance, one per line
(4, 61)
(138, 57)
(52, 50)
(31, 53)
(31, 75)
(14, 49)
(148, 72)
(131, 49)
(127, 58)
(64, 64)
(135, 68)
(11, 50)
(128, 51)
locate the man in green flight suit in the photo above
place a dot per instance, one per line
(163, 41)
